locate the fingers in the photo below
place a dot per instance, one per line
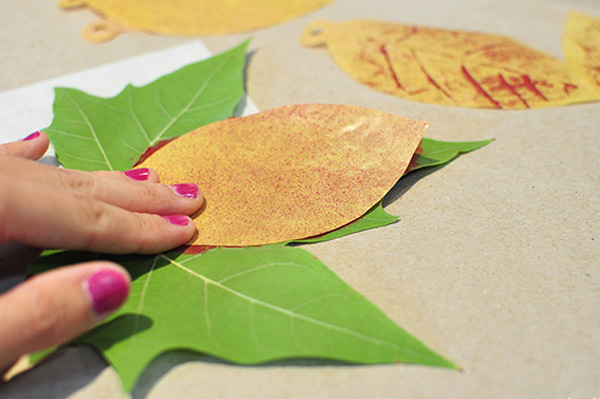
(122, 189)
(31, 147)
(139, 174)
(64, 219)
(126, 192)
(57, 306)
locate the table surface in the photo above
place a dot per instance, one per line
(495, 263)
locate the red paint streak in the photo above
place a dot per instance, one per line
(415, 92)
(198, 249)
(529, 85)
(434, 83)
(504, 85)
(390, 67)
(429, 77)
(484, 48)
(586, 49)
(479, 89)
(567, 87)
(414, 162)
(152, 150)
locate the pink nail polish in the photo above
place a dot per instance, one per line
(32, 136)
(185, 190)
(140, 174)
(108, 289)
(177, 220)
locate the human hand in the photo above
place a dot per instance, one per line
(113, 212)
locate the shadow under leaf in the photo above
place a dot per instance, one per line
(60, 375)
(405, 184)
(163, 364)
(116, 330)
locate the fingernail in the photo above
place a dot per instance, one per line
(185, 190)
(140, 174)
(32, 136)
(108, 289)
(177, 220)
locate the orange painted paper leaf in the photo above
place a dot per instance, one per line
(189, 17)
(289, 173)
(581, 46)
(449, 67)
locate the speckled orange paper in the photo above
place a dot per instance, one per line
(289, 173)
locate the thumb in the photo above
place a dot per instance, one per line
(31, 147)
(57, 306)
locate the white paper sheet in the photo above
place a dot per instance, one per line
(27, 109)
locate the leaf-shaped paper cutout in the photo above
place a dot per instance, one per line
(191, 17)
(249, 305)
(449, 67)
(429, 153)
(93, 133)
(289, 173)
(581, 46)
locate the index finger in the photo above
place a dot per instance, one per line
(31, 147)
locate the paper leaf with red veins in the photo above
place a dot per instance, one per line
(449, 67)
(581, 46)
(188, 17)
(289, 173)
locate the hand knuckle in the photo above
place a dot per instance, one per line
(78, 182)
(96, 221)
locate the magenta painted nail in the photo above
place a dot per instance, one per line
(185, 190)
(177, 220)
(140, 174)
(32, 136)
(108, 289)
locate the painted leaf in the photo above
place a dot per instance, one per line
(289, 173)
(249, 305)
(189, 17)
(430, 153)
(92, 133)
(581, 46)
(449, 67)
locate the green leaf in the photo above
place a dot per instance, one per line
(93, 133)
(430, 153)
(434, 153)
(247, 305)
(376, 217)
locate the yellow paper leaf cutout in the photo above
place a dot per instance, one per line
(288, 173)
(581, 46)
(448, 67)
(190, 17)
